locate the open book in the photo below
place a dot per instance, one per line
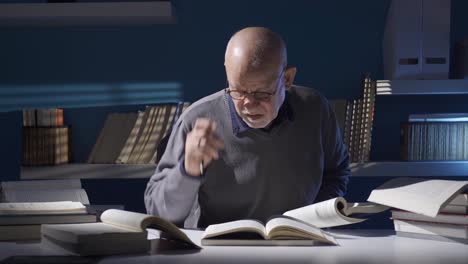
(278, 231)
(335, 212)
(422, 196)
(121, 232)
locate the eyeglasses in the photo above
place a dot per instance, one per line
(258, 96)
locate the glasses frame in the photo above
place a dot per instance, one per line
(264, 96)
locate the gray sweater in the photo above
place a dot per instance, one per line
(301, 159)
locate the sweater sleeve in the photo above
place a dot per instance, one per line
(336, 158)
(170, 192)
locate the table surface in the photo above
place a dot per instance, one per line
(356, 246)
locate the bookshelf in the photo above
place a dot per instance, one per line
(88, 171)
(421, 87)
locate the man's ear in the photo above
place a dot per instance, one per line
(289, 76)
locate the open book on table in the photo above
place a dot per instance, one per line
(300, 226)
(120, 232)
(422, 196)
(278, 231)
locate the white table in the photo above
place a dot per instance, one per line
(356, 246)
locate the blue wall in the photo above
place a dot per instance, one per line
(122, 68)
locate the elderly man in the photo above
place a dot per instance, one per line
(258, 148)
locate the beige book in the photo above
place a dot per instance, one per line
(149, 146)
(420, 196)
(41, 208)
(119, 232)
(335, 212)
(131, 139)
(142, 134)
(278, 231)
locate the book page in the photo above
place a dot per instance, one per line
(41, 208)
(41, 185)
(234, 227)
(461, 200)
(139, 222)
(323, 214)
(417, 195)
(287, 228)
(22, 196)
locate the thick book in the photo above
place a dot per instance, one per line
(439, 218)
(278, 231)
(64, 207)
(120, 232)
(416, 195)
(435, 229)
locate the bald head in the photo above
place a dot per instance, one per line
(255, 49)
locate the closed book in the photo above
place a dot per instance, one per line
(46, 219)
(120, 232)
(439, 218)
(20, 232)
(438, 229)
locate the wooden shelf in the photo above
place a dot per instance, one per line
(86, 13)
(88, 171)
(410, 169)
(421, 87)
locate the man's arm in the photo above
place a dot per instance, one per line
(170, 192)
(336, 172)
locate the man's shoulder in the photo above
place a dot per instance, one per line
(306, 95)
(207, 106)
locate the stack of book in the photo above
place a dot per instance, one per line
(434, 137)
(46, 141)
(427, 209)
(450, 224)
(133, 138)
(26, 205)
(22, 221)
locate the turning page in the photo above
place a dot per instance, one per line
(324, 214)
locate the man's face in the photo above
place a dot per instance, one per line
(259, 110)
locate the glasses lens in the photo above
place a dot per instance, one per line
(236, 95)
(262, 96)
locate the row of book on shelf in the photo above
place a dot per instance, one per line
(434, 136)
(125, 138)
(133, 138)
(45, 138)
(438, 210)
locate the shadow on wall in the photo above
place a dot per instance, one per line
(18, 97)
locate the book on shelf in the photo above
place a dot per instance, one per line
(299, 226)
(278, 231)
(46, 145)
(120, 232)
(438, 117)
(441, 140)
(138, 136)
(52, 117)
(43, 191)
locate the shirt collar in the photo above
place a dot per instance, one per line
(239, 126)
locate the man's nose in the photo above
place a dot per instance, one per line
(250, 99)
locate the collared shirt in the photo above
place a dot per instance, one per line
(239, 126)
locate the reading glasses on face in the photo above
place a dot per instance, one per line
(258, 96)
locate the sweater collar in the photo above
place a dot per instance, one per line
(239, 126)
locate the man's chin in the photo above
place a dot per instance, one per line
(256, 123)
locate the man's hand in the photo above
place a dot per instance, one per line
(202, 144)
